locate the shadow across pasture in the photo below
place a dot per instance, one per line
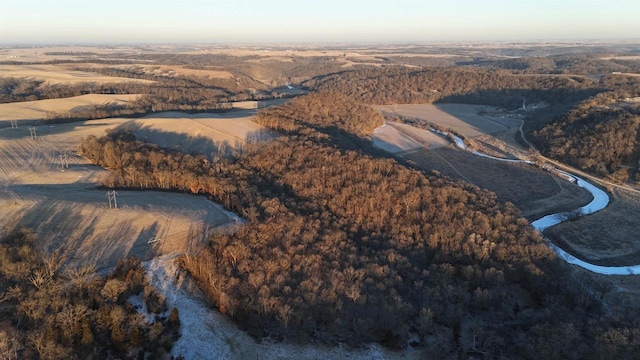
(80, 226)
(194, 144)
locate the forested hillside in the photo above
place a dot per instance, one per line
(601, 135)
(577, 64)
(342, 246)
(461, 85)
(50, 313)
(176, 93)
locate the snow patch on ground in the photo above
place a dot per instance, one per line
(391, 140)
(231, 215)
(206, 334)
(198, 340)
(137, 301)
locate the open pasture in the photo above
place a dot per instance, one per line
(535, 192)
(204, 133)
(170, 70)
(71, 214)
(39, 54)
(465, 119)
(39, 109)
(617, 244)
(60, 74)
(397, 137)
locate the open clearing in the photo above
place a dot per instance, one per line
(396, 137)
(57, 74)
(616, 244)
(176, 70)
(38, 109)
(204, 133)
(164, 70)
(36, 54)
(535, 192)
(463, 118)
(71, 214)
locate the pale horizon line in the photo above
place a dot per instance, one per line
(541, 41)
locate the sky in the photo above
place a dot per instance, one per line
(370, 21)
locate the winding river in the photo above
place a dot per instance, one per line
(599, 202)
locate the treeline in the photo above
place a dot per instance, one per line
(21, 89)
(465, 85)
(260, 72)
(48, 312)
(578, 64)
(324, 110)
(167, 94)
(601, 136)
(341, 246)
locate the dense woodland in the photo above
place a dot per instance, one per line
(601, 135)
(589, 125)
(577, 64)
(166, 94)
(342, 245)
(398, 85)
(253, 79)
(50, 313)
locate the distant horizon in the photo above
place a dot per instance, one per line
(585, 41)
(132, 22)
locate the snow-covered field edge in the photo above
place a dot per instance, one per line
(206, 334)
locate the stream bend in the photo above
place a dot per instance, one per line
(599, 202)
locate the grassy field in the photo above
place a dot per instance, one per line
(397, 137)
(608, 237)
(71, 215)
(37, 110)
(535, 192)
(59, 74)
(177, 70)
(465, 119)
(203, 133)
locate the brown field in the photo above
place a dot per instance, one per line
(70, 213)
(254, 105)
(464, 118)
(168, 71)
(58, 74)
(204, 133)
(36, 54)
(37, 110)
(535, 192)
(608, 237)
(398, 137)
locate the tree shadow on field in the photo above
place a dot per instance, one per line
(147, 243)
(179, 141)
(194, 144)
(84, 230)
(512, 99)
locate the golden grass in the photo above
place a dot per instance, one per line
(37, 110)
(71, 215)
(58, 74)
